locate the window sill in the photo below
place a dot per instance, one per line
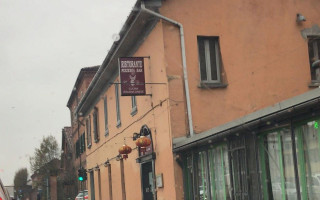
(212, 85)
(313, 84)
(134, 111)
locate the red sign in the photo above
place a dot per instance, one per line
(132, 76)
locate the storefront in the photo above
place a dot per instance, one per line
(273, 153)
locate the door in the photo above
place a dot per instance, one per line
(147, 180)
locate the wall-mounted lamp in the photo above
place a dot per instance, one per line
(118, 157)
(300, 18)
(144, 131)
(107, 163)
(135, 136)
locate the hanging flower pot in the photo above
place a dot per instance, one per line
(125, 150)
(143, 142)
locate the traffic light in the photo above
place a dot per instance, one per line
(82, 174)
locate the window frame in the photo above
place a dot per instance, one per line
(88, 129)
(95, 118)
(314, 41)
(298, 151)
(117, 105)
(105, 103)
(134, 108)
(191, 181)
(208, 55)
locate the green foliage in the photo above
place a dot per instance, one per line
(20, 179)
(47, 151)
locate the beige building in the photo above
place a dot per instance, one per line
(231, 103)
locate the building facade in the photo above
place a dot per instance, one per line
(231, 105)
(74, 139)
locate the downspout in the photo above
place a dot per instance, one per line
(184, 62)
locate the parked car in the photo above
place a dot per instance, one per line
(82, 195)
(4, 195)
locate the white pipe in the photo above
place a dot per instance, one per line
(184, 62)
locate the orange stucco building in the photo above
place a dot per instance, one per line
(231, 104)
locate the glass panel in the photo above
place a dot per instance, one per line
(105, 113)
(188, 178)
(288, 166)
(202, 175)
(309, 170)
(117, 104)
(202, 60)
(228, 191)
(213, 59)
(277, 147)
(219, 173)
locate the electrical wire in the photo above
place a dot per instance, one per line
(140, 118)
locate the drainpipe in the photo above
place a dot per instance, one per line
(184, 62)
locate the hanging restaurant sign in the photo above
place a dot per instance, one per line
(132, 76)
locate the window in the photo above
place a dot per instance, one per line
(206, 174)
(308, 154)
(209, 61)
(134, 105)
(106, 116)
(93, 196)
(83, 144)
(88, 127)
(278, 167)
(110, 180)
(314, 58)
(279, 180)
(117, 105)
(77, 149)
(95, 125)
(80, 145)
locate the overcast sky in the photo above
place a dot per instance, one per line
(43, 46)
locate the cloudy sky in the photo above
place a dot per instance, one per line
(43, 46)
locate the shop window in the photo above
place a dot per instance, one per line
(203, 189)
(308, 153)
(278, 176)
(88, 129)
(206, 174)
(188, 176)
(219, 173)
(133, 105)
(239, 165)
(106, 116)
(209, 61)
(278, 163)
(95, 125)
(314, 58)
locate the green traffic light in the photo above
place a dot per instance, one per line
(316, 125)
(80, 178)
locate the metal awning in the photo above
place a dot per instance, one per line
(307, 102)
